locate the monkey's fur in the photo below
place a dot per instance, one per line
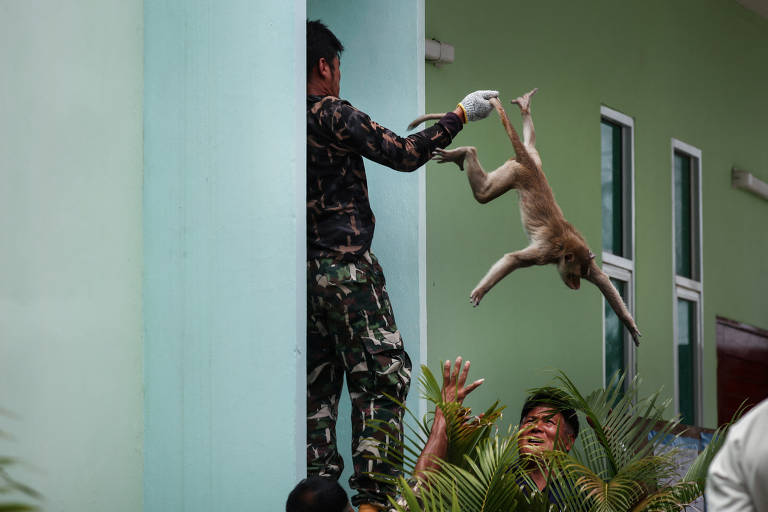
(553, 240)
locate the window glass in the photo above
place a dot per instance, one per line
(612, 186)
(686, 336)
(614, 336)
(683, 210)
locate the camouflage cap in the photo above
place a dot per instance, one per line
(558, 400)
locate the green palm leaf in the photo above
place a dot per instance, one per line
(697, 471)
(9, 485)
(620, 426)
(490, 482)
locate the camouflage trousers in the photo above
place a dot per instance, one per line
(351, 332)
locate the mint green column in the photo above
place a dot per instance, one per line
(224, 255)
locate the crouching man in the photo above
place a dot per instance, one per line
(545, 425)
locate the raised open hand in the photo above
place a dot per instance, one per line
(454, 378)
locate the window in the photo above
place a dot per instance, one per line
(617, 179)
(686, 197)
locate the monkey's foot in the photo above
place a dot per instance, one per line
(456, 156)
(524, 101)
(476, 296)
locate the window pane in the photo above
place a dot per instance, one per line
(612, 185)
(683, 215)
(686, 344)
(614, 336)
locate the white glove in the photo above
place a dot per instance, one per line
(476, 105)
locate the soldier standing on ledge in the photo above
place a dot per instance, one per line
(350, 325)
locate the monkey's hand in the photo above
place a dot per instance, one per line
(476, 105)
(635, 336)
(476, 296)
(457, 155)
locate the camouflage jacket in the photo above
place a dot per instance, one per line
(340, 222)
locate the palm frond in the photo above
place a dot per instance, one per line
(620, 426)
(692, 485)
(17, 507)
(430, 388)
(670, 498)
(464, 431)
(589, 490)
(697, 471)
(488, 482)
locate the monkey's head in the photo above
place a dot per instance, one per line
(574, 263)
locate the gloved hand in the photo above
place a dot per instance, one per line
(476, 105)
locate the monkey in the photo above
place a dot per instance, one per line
(553, 240)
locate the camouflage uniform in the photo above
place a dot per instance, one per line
(351, 329)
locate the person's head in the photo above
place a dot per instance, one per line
(323, 54)
(547, 422)
(318, 494)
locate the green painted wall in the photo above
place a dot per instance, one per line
(692, 70)
(71, 250)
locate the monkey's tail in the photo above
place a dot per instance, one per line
(426, 117)
(521, 153)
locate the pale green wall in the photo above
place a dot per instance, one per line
(692, 70)
(382, 74)
(70, 263)
(224, 234)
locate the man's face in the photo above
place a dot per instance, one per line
(539, 431)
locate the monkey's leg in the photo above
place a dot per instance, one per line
(508, 263)
(529, 133)
(485, 186)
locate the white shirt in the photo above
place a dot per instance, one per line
(738, 476)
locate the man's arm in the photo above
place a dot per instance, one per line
(356, 131)
(453, 391)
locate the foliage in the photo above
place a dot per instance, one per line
(617, 465)
(10, 486)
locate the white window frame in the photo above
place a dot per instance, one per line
(689, 289)
(617, 267)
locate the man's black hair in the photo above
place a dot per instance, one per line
(558, 401)
(321, 43)
(317, 494)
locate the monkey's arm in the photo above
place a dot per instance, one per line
(507, 264)
(597, 277)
